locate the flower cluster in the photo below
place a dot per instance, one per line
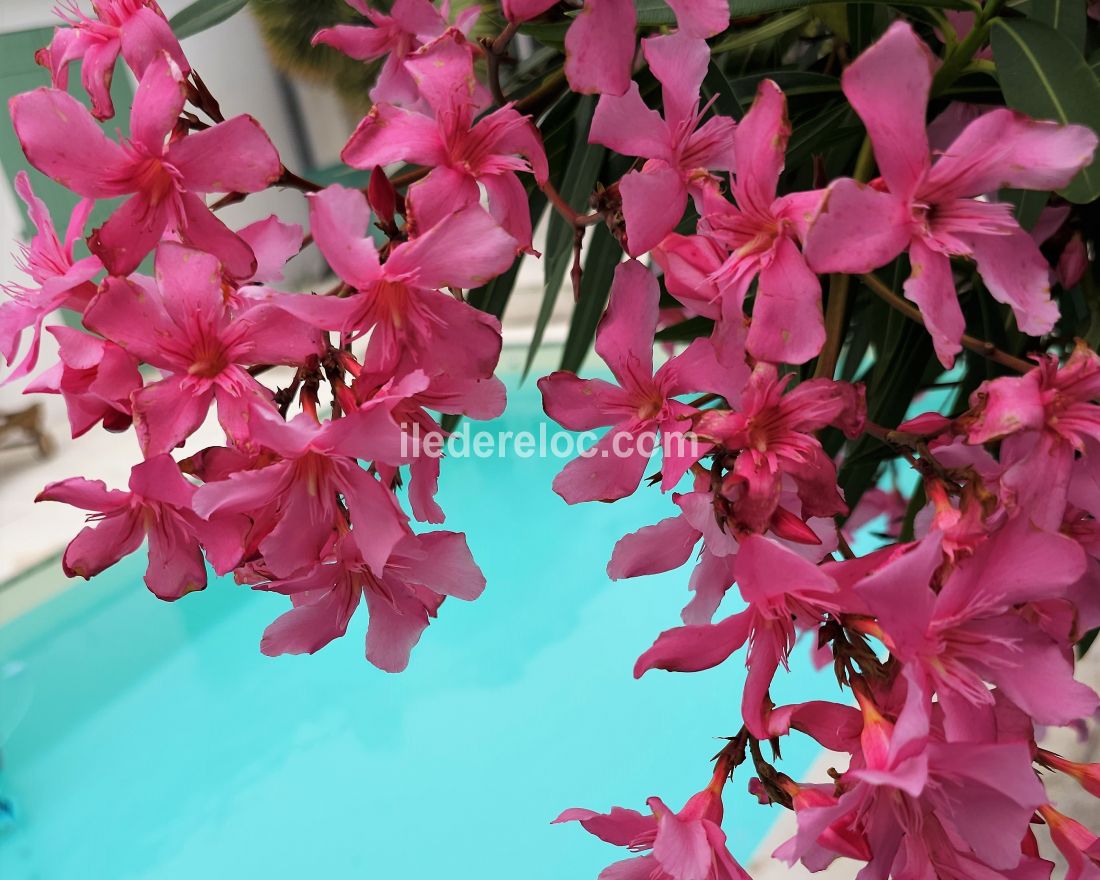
(305, 504)
(952, 643)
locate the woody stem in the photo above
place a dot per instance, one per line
(979, 346)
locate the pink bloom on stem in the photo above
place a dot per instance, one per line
(395, 36)
(929, 208)
(761, 234)
(399, 302)
(969, 633)
(668, 544)
(58, 279)
(1043, 419)
(687, 845)
(421, 571)
(1085, 775)
(137, 29)
(96, 379)
(316, 484)
(642, 403)
(913, 798)
(679, 150)
(785, 593)
(773, 434)
(185, 328)
(462, 154)
(157, 507)
(163, 178)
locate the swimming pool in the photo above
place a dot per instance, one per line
(152, 740)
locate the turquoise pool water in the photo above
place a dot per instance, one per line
(152, 740)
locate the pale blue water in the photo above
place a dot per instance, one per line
(158, 742)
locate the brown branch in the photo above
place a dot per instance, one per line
(979, 346)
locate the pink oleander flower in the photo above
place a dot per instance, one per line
(1078, 846)
(642, 404)
(96, 379)
(474, 398)
(929, 208)
(421, 571)
(680, 152)
(59, 280)
(408, 26)
(761, 234)
(185, 328)
(1043, 419)
(772, 433)
(688, 845)
(137, 29)
(668, 544)
(313, 484)
(785, 594)
(955, 632)
(157, 508)
(411, 322)
(915, 800)
(163, 178)
(462, 153)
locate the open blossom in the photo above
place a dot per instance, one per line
(1043, 419)
(393, 36)
(669, 543)
(96, 379)
(785, 594)
(680, 150)
(761, 234)
(1078, 846)
(929, 208)
(157, 508)
(304, 492)
(399, 302)
(462, 153)
(970, 631)
(137, 29)
(772, 435)
(643, 402)
(57, 279)
(684, 845)
(163, 178)
(402, 598)
(184, 327)
(912, 797)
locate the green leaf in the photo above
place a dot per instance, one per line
(576, 186)
(1068, 17)
(1043, 75)
(715, 85)
(604, 254)
(203, 14)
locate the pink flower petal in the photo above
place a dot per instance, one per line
(888, 86)
(599, 47)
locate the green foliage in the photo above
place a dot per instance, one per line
(204, 14)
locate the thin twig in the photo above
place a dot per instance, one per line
(979, 346)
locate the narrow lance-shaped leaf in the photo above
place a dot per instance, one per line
(204, 14)
(1044, 76)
